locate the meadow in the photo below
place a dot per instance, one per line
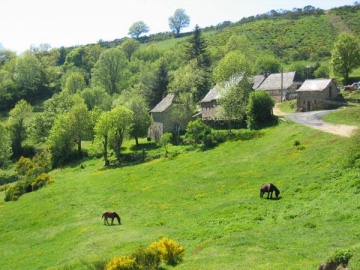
(207, 201)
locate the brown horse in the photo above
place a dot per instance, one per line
(111, 215)
(269, 188)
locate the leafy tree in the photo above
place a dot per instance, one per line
(78, 124)
(122, 123)
(138, 28)
(268, 64)
(185, 85)
(259, 109)
(142, 120)
(75, 83)
(18, 125)
(28, 74)
(96, 97)
(5, 146)
(233, 98)
(109, 72)
(345, 56)
(234, 62)
(129, 46)
(178, 21)
(196, 131)
(60, 141)
(102, 132)
(323, 71)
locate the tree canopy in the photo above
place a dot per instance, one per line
(138, 28)
(178, 21)
(345, 56)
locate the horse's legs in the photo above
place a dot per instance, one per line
(112, 221)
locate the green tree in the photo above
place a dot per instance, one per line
(18, 125)
(96, 97)
(138, 28)
(5, 146)
(185, 86)
(266, 63)
(69, 130)
(160, 83)
(28, 74)
(102, 132)
(178, 21)
(75, 83)
(110, 71)
(129, 46)
(345, 56)
(122, 120)
(259, 109)
(196, 48)
(142, 120)
(78, 124)
(233, 99)
(234, 62)
(60, 141)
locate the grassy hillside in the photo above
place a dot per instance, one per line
(206, 201)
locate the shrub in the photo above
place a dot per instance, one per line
(121, 263)
(23, 166)
(259, 109)
(171, 253)
(165, 141)
(341, 257)
(147, 259)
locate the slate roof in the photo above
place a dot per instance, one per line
(273, 81)
(258, 80)
(211, 95)
(314, 85)
(164, 103)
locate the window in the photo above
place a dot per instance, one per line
(330, 91)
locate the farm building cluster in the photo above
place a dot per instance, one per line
(310, 94)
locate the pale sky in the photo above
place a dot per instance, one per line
(25, 23)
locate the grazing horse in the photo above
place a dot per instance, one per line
(111, 215)
(269, 188)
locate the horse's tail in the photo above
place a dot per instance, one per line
(261, 193)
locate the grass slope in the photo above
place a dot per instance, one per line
(207, 201)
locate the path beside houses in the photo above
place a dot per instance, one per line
(313, 119)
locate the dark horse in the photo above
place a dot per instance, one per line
(269, 188)
(111, 215)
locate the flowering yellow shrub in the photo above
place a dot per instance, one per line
(121, 263)
(170, 251)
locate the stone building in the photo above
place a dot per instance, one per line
(281, 86)
(317, 94)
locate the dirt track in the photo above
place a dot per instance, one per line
(313, 119)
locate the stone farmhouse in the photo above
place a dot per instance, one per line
(317, 94)
(281, 86)
(209, 104)
(160, 115)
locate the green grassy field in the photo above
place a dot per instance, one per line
(206, 201)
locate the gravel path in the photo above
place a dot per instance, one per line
(313, 119)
